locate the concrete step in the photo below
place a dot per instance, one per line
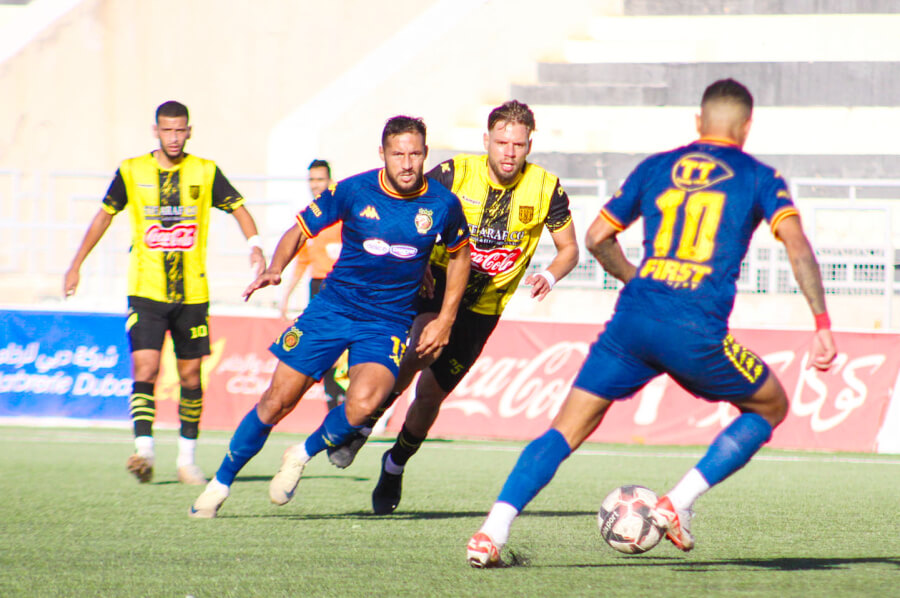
(753, 38)
(748, 7)
(772, 83)
(642, 130)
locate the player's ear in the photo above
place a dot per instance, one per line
(487, 141)
(156, 131)
(381, 153)
(188, 132)
(698, 121)
(426, 153)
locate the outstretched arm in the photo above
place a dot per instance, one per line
(602, 243)
(248, 227)
(436, 333)
(291, 241)
(93, 235)
(566, 259)
(809, 279)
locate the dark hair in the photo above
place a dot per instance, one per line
(402, 124)
(513, 112)
(317, 163)
(172, 109)
(728, 89)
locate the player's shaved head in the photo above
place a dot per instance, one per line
(725, 111)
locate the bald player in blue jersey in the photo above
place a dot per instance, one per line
(392, 219)
(700, 205)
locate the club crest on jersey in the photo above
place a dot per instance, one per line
(697, 171)
(370, 212)
(526, 213)
(290, 339)
(424, 221)
(195, 191)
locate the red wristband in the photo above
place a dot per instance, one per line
(823, 322)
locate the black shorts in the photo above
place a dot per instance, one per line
(468, 336)
(148, 321)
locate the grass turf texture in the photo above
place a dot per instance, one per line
(74, 523)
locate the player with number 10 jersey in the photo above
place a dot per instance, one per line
(700, 204)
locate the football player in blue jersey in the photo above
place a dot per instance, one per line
(700, 205)
(392, 218)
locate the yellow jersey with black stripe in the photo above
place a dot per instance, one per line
(169, 211)
(505, 225)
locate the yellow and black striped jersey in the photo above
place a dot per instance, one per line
(169, 211)
(505, 225)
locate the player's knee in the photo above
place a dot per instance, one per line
(771, 402)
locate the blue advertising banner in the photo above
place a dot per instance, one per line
(55, 364)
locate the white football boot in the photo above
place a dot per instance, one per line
(210, 500)
(284, 483)
(676, 522)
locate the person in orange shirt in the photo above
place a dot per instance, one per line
(318, 256)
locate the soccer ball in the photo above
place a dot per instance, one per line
(626, 522)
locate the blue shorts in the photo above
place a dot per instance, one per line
(634, 349)
(313, 343)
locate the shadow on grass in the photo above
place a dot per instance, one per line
(774, 564)
(268, 478)
(402, 516)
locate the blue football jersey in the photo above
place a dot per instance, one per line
(387, 241)
(701, 204)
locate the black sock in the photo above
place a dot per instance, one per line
(376, 415)
(189, 408)
(405, 447)
(142, 407)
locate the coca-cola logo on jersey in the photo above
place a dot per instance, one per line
(180, 237)
(495, 261)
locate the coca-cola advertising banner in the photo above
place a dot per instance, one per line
(512, 392)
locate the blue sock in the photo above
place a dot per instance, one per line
(335, 429)
(733, 447)
(535, 468)
(248, 439)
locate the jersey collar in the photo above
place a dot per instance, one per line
(420, 191)
(718, 141)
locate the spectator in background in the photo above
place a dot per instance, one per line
(318, 256)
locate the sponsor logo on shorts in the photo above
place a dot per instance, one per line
(290, 339)
(180, 237)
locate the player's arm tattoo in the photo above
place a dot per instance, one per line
(610, 255)
(809, 278)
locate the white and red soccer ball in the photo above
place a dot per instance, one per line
(626, 520)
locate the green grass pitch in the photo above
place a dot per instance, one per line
(74, 523)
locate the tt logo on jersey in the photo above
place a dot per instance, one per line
(698, 171)
(370, 212)
(423, 221)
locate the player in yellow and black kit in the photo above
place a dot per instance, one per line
(507, 203)
(169, 195)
